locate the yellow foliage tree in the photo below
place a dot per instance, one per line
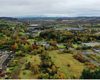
(62, 76)
(26, 46)
(19, 52)
(53, 68)
(49, 63)
(16, 45)
(34, 68)
(9, 38)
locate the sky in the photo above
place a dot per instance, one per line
(49, 8)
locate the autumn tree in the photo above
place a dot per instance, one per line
(9, 38)
(62, 76)
(19, 52)
(34, 68)
(34, 46)
(53, 68)
(16, 45)
(53, 43)
(13, 47)
(26, 46)
(49, 63)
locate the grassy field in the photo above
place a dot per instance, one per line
(28, 75)
(10, 24)
(62, 46)
(75, 45)
(93, 56)
(89, 50)
(31, 40)
(34, 59)
(61, 61)
(59, 26)
(22, 33)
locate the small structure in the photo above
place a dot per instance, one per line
(96, 50)
(43, 44)
(34, 26)
(79, 26)
(91, 44)
(77, 29)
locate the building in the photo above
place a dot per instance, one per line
(79, 26)
(43, 44)
(91, 44)
(34, 26)
(77, 29)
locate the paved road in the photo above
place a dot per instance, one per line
(85, 51)
(4, 58)
(91, 60)
(91, 53)
(61, 48)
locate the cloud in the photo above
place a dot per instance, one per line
(68, 8)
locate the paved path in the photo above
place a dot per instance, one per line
(85, 51)
(91, 53)
(4, 58)
(91, 60)
(61, 48)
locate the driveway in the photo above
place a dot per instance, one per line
(4, 58)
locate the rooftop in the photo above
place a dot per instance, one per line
(32, 25)
(77, 29)
(91, 44)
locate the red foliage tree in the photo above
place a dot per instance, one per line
(13, 47)
(34, 46)
(26, 29)
(37, 33)
(24, 41)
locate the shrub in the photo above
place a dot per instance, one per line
(22, 60)
(80, 58)
(92, 67)
(87, 63)
(68, 65)
(60, 52)
(75, 77)
(24, 73)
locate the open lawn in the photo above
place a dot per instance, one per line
(61, 60)
(34, 59)
(10, 24)
(89, 50)
(31, 40)
(22, 33)
(75, 45)
(8, 71)
(10, 68)
(28, 75)
(62, 46)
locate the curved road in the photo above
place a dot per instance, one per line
(4, 58)
(85, 51)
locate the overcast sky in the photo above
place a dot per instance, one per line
(50, 8)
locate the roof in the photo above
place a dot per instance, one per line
(91, 44)
(33, 25)
(77, 29)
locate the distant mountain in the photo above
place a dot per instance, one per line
(59, 18)
(78, 18)
(8, 18)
